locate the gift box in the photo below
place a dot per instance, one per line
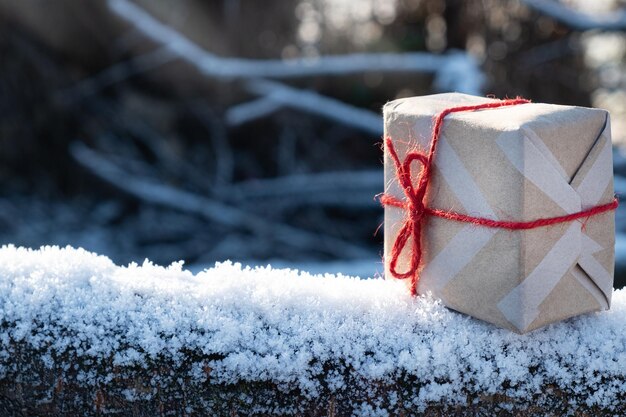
(503, 209)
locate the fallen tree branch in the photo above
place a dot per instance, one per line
(213, 66)
(354, 189)
(455, 72)
(252, 110)
(315, 103)
(367, 180)
(615, 21)
(230, 68)
(163, 195)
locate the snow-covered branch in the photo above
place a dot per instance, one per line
(85, 337)
(156, 193)
(315, 103)
(275, 95)
(213, 66)
(368, 180)
(219, 67)
(252, 110)
(341, 188)
(579, 20)
(455, 71)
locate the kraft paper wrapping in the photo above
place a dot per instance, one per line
(516, 163)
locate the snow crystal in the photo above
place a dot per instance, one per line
(283, 325)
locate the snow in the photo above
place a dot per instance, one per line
(269, 324)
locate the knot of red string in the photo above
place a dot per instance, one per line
(416, 209)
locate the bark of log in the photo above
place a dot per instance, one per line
(41, 384)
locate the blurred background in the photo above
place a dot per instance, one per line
(207, 130)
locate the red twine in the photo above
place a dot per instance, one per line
(415, 195)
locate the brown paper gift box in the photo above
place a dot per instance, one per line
(517, 163)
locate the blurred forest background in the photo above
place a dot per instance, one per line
(206, 130)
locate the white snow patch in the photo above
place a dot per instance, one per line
(270, 324)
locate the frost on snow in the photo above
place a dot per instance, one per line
(284, 326)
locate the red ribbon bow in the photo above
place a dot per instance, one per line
(415, 210)
(415, 205)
